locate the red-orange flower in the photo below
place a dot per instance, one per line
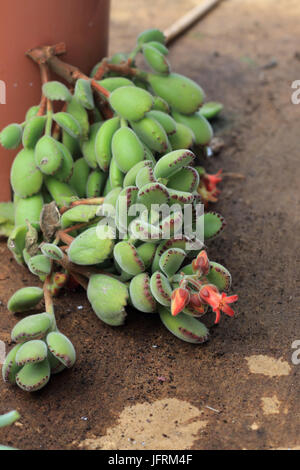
(201, 263)
(208, 187)
(211, 181)
(179, 299)
(218, 302)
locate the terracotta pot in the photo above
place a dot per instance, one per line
(81, 24)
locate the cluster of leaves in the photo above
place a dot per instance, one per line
(123, 136)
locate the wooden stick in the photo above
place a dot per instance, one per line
(181, 25)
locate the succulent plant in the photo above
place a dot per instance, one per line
(100, 188)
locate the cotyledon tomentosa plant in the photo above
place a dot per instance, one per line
(123, 137)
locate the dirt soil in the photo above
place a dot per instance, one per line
(138, 386)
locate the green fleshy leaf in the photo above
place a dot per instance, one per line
(108, 297)
(219, 276)
(210, 109)
(56, 91)
(89, 248)
(213, 225)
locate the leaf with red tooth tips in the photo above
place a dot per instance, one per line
(171, 260)
(145, 176)
(126, 199)
(130, 177)
(187, 180)
(128, 259)
(153, 193)
(165, 245)
(31, 327)
(172, 162)
(219, 276)
(62, 348)
(180, 197)
(161, 288)
(141, 295)
(31, 352)
(146, 252)
(10, 367)
(33, 377)
(184, 327)
(52, 251)
(213, 225)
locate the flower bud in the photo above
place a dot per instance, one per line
(201, 263)
(179, 299)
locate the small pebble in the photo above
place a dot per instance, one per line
(161, 378)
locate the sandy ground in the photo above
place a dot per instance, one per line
(241, 390)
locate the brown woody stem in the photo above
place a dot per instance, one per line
(64, 237)
(93, 201)
(101, 70)
(44, 78)
(70, 73)
(126, 69)
(80, 279)
(48, 297)
(43, 106)
(77, 227)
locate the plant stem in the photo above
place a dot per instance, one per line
(101, 70)
(134, 53)
(82, 225)
(80, 279)
(92, 201)
(124, 122)
(44, 78)
(48, 299)
(126, 69)
(70, 73)
(43, 106)
(64, 237)
(48, 128)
